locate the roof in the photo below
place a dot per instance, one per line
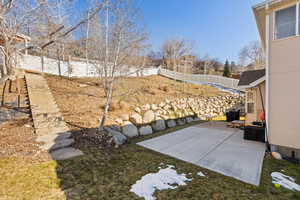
(252, 78)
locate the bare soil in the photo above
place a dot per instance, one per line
(17, 132)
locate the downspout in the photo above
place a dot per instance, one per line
(264, 110)
(267, 39)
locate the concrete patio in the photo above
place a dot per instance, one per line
(215, 147)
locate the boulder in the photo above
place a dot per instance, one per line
(118, 137)
(146, 107)
(196, 119)
(124, 117)
(148, 117)
(137, 109)
(180, 122)
(129, 130)
(189, 120)
(165, 117)
(65, 153)
(136, 118)
(154, 107)
(171, 123)
(115, 127)
(145, 130)
(276, 155)
(158, 125)
(119, 121)
(162, 104)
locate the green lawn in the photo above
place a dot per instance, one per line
(109, 175)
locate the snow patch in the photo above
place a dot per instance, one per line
(285, 181)
(200, 174)
(164, 179)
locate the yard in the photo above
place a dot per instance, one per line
(109, 173)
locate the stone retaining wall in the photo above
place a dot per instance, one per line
(150, 118)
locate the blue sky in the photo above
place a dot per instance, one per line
(219, 28)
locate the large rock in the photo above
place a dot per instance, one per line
(136, 118)
(154, 107)
(171, 123)
(118, 137)
(148, 117)
(119, 121)
(65, 153)
(145, 130)
(196, 119)
(181, 122)
(137, 109)
(189, 120)
(129, 129)
(276, 155)
(158, 125)
(146, 107)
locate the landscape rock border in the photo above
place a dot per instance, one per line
(151, 118)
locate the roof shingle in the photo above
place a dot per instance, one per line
(249, 77)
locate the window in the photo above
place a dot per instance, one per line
(250, 107)
(250, 102)
(298, 19)
(286, 22)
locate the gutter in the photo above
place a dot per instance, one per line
(253, 84)
(263, 4)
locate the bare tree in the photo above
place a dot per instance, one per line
(252, 53)
(173, 50)
(124, 42)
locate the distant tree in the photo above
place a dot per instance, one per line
(173, 49)
(155, 59)
(226, 69)
(252, 54)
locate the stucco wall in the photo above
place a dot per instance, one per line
(284, 95)
(251, 117)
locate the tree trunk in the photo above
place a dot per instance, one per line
(107, 104)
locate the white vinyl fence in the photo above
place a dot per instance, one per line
(201, 78)
(94, 69)
(76, 68)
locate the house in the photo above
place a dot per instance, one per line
(278, 23)
(254, 84)
(184, 64)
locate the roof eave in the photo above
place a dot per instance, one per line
(253, 84)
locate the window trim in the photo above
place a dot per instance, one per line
(297, 21)
(253, 100)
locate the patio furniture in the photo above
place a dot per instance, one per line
(236, 124)
(254, 133)
(232, 115)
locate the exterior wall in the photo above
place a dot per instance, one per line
(284, 95)
(258, 107)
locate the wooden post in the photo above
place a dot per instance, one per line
(18, 91)
(10, 85)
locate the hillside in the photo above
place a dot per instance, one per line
(81, 100)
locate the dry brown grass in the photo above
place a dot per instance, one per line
(82, 105)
